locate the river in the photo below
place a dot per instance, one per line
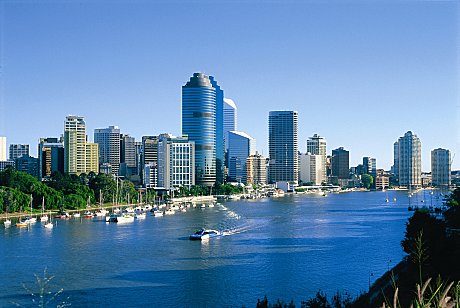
(286, 248)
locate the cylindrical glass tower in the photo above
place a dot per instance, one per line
(199, 124)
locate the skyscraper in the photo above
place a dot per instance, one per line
(316, 145)
(240, 146)
(108, 140)
(76, 149)
(128, 156)
(220, 147)
(408, 160)
(18, 150)
(230, 119)
(283, 146)
(199, 125)
(340, 163)
(2, 148)
(440, 168)
(50, 156)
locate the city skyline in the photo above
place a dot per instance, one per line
(395, 72)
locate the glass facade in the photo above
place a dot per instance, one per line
(283, 146)
(199, 125)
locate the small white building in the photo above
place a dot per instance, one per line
(311, 168)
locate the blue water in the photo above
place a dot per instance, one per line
(286, 248)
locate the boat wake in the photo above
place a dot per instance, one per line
(236, 224)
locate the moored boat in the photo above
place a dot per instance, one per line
(7, 223)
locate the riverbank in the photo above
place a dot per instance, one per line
(198, 199)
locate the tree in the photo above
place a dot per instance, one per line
(103, 184)
(367, 180)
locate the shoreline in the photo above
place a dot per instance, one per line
(106, 206)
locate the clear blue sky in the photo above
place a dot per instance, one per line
(360, 73)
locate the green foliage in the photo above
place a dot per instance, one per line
(127, 190)
(74, 201)
(103, 184)
(11, 200)
(367, 180)
(61, 190)
(227, 189)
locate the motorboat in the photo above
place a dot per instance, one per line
(140, 215)
(44, 218)
(87, 214)
(204, 234)
(77, 215)
(169, 212)
(125, 218)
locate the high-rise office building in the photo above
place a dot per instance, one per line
(256, 168)
(175, 162)
(2, 148)
(240, 147)
(230, 119)
(18, 150)
(76, 149)
(149, 160)
(50, 156)
(220, 147)
(128, 156)
(311, 168)
(440, 168)
(316, 145)
(199, 125)
(28, 164)
(340, 163)
(150, 149)
(108, 140)
(369, 166)
(283, 146)
(408, 160)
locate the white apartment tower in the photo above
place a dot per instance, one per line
(176, 162)
(440, 168)
(76, 149)
(316, 145)
(408, 160)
